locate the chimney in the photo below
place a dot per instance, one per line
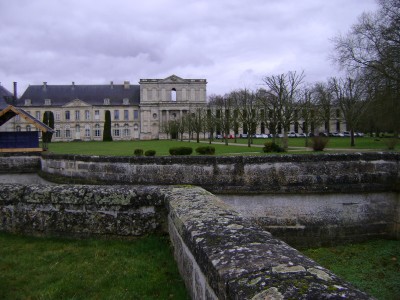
(44, 85)
(73, 85)
(15, 90)
(111, 84)
(126, 85)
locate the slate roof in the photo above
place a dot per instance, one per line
(91, 94)
(4, 93)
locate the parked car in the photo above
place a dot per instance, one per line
(346, 133)
(292, 134)
(337, 134)
(243, 135)
(359, 134)
(264, 135)
(301, 135)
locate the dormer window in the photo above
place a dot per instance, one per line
(107, 101)
(28, 102)
(47, 101)
(125, 101)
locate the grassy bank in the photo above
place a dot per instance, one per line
(126, 148)
(49, 268)
(373, 267)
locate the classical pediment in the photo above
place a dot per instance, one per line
(76, 103)
(173, 79)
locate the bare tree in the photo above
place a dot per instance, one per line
(323, 98)
(309, 110)
(284, 91)
(197, 121)
(223, 109)
(372, 47)
(246, 111)
(351, 97)
(373, 43)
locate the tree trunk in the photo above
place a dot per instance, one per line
(352, 144)
(285, 140)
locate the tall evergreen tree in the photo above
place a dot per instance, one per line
(107, 137)
(48, 119)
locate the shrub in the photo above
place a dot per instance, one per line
(138, 152)
(206, 150)
(318, 143)
(272, 147)
(180, 151)
(391, 143)
(150, 153)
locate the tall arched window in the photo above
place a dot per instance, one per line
(173, 94)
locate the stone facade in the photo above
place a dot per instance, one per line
(137, 111)
(162, 100)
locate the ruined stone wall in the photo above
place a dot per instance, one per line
(357, 172)
(19, 163)
(79, 210)
(220, 254)
(315, 220)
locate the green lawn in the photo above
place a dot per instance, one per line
(373, 267)
(50, 268)
(126, 148)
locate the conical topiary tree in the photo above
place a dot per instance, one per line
(107, 137)
(48, 119)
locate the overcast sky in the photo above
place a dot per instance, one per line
(233, 44)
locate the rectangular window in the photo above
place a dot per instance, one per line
(97, 132)
(67, 115)
(87, 132)
(116, 132)
(37, 115)
(96, 114)
(126, 132)
(67, 133)
(58, 133)
(87, 115)
(77, 115)
(135, 114)
(57, 116)
(126, 115)
(116, 114)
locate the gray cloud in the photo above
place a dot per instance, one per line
(232, 44)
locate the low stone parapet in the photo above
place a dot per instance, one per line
(221, 255)
(306, 173)
(19, 163)
(79, 210)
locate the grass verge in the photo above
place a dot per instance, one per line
(372, 266)
(54, 268)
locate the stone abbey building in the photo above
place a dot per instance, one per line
(137, 111)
